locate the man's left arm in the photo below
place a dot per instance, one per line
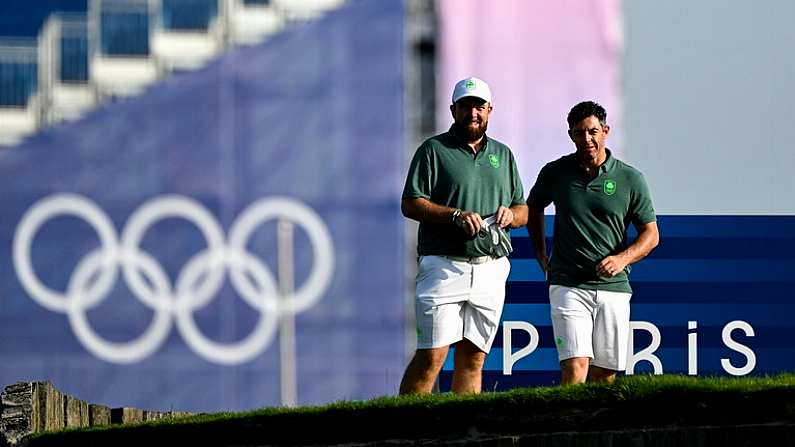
(648, 238)
(514, 216)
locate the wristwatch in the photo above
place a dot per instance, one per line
(456, 213)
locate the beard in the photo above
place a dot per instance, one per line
(471, 133)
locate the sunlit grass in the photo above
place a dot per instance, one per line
(374, 416)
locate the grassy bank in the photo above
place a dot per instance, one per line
(631, 403)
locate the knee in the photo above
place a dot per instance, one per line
(578, 364)
(469, 360)
(575, 370)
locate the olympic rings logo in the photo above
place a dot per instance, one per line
(200, 279)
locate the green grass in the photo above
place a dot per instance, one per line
(631, 402)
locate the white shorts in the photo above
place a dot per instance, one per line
(591, 323)
(457, 300)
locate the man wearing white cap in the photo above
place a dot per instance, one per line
(464, 189)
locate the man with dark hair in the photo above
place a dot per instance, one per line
(596, 197)
(455, 180)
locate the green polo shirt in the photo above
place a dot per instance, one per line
(591, 218)
(445, 171)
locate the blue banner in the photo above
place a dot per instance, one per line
(178, 249)
(714, 298)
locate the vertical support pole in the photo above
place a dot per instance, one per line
(286, 263)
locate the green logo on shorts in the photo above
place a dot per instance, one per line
(495, 162)
(610, 187)
(560, 342)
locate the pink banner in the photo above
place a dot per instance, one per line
(540, 58)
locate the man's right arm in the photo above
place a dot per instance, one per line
(535, 227)
(423, 210)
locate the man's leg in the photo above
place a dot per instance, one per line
(468, 373)
(572, 325)
(422, 371)
(611, 336)
(437, 310)
(574, 370)
(601, 375)
(481, 321)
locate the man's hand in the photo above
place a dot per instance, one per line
(470, 222)
(648, 238)
(611, 266)
(504, 216)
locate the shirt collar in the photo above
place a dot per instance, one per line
(608, 165)
(610, 161)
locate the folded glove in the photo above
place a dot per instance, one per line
(500, 242)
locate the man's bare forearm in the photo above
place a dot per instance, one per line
(648, 238)
(423, 210)
(536, 228)
(519, 215)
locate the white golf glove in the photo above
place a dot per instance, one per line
(500, 243)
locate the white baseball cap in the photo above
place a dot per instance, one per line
(472, 87)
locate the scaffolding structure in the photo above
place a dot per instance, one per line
(121, 47)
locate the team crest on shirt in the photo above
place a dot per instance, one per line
(495, 162)
(609, 187)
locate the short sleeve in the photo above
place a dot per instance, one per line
(641, 208)
(517, 193)
(541, 192)
(419, 181)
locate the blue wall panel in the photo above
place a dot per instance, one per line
(709, 269)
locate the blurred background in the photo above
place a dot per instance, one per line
(201, 197)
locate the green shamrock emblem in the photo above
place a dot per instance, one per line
(610, 187)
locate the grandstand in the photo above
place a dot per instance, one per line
(120, 47)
